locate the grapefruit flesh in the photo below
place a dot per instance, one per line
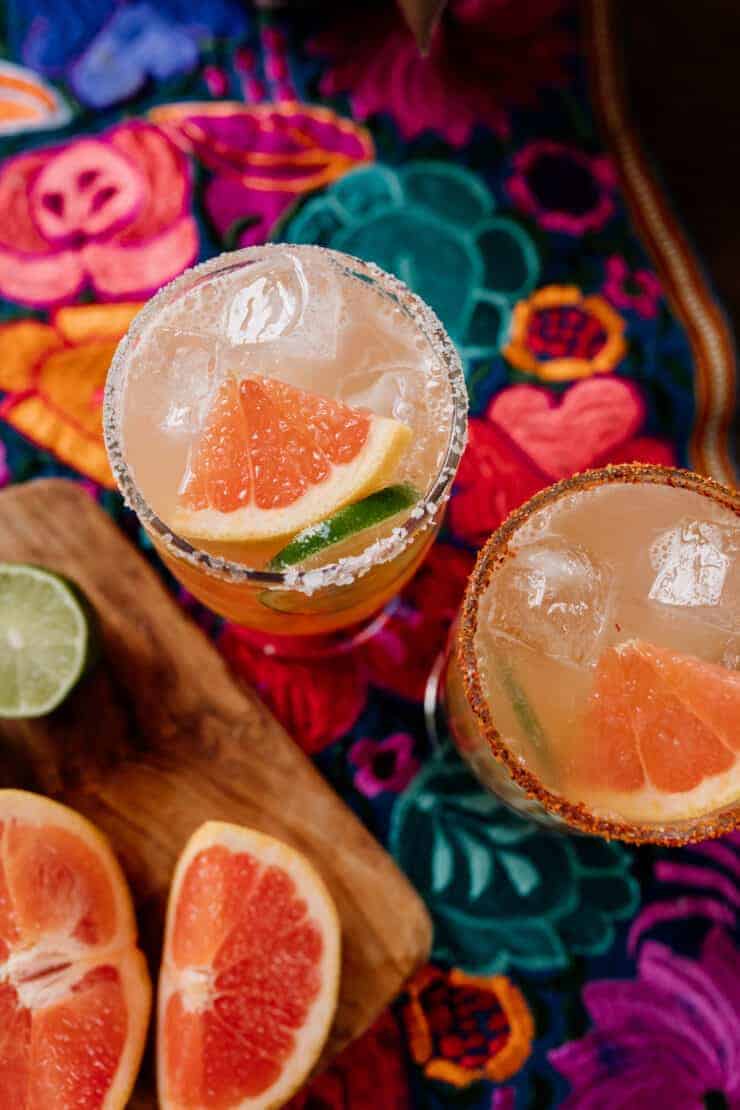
(250, 972)
(272, 459)
(661, 736)
(74, 989)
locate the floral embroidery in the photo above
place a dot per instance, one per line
(594, 422)
(503, 891)
(388, 764)
(705, 881)
(633, 291)
(530, 436)
(27, 103)
(462, 1028)
(564, 189)
(53, 377)
(108, 52)
(558, 334)
(369, 1075)
(494, 477)
(434, 225)
(317, 702)
(263, 157)
(668, 1038)
(110, 211)
(484, 58)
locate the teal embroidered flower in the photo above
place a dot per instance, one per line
(432, 224)
(504, 892)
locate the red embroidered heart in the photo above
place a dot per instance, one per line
(565, 436)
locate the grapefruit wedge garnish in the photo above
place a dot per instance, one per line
(661, 737)
(250, 973)
(272, 459)
(74, 989)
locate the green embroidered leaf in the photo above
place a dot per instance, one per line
(503, 891)
(480, 864)
(522, 874)
(442, 861)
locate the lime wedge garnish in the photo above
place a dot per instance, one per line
(370, 511)
(45, 639)
(528, 719)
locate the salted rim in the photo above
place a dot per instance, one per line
(344, 570)
(489, 559)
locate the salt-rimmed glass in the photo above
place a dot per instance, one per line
(472, 715)
(294, 602)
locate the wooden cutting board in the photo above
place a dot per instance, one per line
(161, 737)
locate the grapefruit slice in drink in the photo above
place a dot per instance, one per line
(74, 989)
(273, 458)
(250, 973)
(661, 738)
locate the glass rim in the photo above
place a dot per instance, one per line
(490, 557)
(432, 500)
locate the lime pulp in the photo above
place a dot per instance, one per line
(45, 639)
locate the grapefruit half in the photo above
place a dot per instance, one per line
(272, 459)
(74, 989)
(661, 737)
(250, 973)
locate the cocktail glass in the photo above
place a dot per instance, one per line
(324, 322)
(593, 679)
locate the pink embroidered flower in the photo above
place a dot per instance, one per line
(110, 211)
(485, 57)
(637, 290)
(262, 157)
(388, 764)
(669, 1038)
(531, 437)
(316, 701)
(564, 189)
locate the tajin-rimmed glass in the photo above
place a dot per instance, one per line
(469, 714)
(320, 599)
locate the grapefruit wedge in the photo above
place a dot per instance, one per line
(74, 989)
(250, 973)
(272, 459)
(661, 737)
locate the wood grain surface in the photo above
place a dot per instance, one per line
(160, 737)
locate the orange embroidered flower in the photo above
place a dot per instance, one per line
(53, 377)
(462, 1028)
(559, 334)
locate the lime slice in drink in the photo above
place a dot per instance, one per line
(361, 515)
(46, 639)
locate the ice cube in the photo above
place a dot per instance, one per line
(552, 597)
(186, 370)
(394, 392)
(284, 308)
(693, 562)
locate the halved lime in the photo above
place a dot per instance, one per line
(361, 515)
(46, 639)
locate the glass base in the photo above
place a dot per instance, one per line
(326, 645)
(435, 714)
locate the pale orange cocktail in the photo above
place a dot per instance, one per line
(594, 680)
(287, 421)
